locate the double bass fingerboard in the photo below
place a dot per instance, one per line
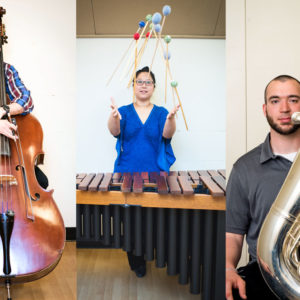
(4, 143)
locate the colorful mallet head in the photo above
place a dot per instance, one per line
(156, 18)
(149, 18)
(157, 27)
(169, 55)
(142, 24)
(174, 83)
(167, 39)
(166, 10)
(136, 36)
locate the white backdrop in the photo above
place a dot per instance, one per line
(197, 65)
(258, 49)
(42, 47)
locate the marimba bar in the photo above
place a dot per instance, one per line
(178, 219)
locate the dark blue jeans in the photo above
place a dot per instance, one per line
(256, 287)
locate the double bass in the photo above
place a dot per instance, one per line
(31, 227)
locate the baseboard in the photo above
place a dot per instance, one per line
(70, 233)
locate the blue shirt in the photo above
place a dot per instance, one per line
(141, 147)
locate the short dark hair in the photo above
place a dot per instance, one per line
(281, 78)
(146, 70)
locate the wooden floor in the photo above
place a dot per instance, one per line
(104, 274)
(60, 284)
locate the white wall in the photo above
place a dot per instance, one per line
(197, 65)
(262, 43)
(273, 49)
(41, 45)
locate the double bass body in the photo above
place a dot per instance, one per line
(38, 234)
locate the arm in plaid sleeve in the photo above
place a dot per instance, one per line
(17, 91)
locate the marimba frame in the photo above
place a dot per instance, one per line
(201, 216)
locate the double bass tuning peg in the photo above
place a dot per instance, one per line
(4, 39)
(2, 27)
(2, 11)
(2, 33)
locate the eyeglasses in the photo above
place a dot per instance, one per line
(141, 82)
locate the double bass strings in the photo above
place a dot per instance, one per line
(7, 178)
(9, 182)
(2, 139)
(5, 159)
(27, 194)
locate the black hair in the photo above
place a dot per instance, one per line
(281, 78)
(146, 70)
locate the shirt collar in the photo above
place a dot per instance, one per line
(266, 151)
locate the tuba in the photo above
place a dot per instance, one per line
(278, 246)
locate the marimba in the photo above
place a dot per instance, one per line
(179, 219)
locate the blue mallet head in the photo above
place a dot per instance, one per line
(166, 10)
(157, 27)
(156, 18)
(142, 24)
(169, 55)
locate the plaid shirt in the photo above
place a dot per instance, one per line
(16, 90)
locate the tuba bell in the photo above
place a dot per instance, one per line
(278, 245)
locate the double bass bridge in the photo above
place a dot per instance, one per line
(7, 180)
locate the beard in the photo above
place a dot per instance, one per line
(279, 129)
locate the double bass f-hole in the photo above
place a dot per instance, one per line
(21, 165)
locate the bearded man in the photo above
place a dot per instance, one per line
(254, 183)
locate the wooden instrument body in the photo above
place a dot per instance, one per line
(36, 245)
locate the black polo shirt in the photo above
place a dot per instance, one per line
(253, 185)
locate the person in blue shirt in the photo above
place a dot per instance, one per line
(143, 131)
